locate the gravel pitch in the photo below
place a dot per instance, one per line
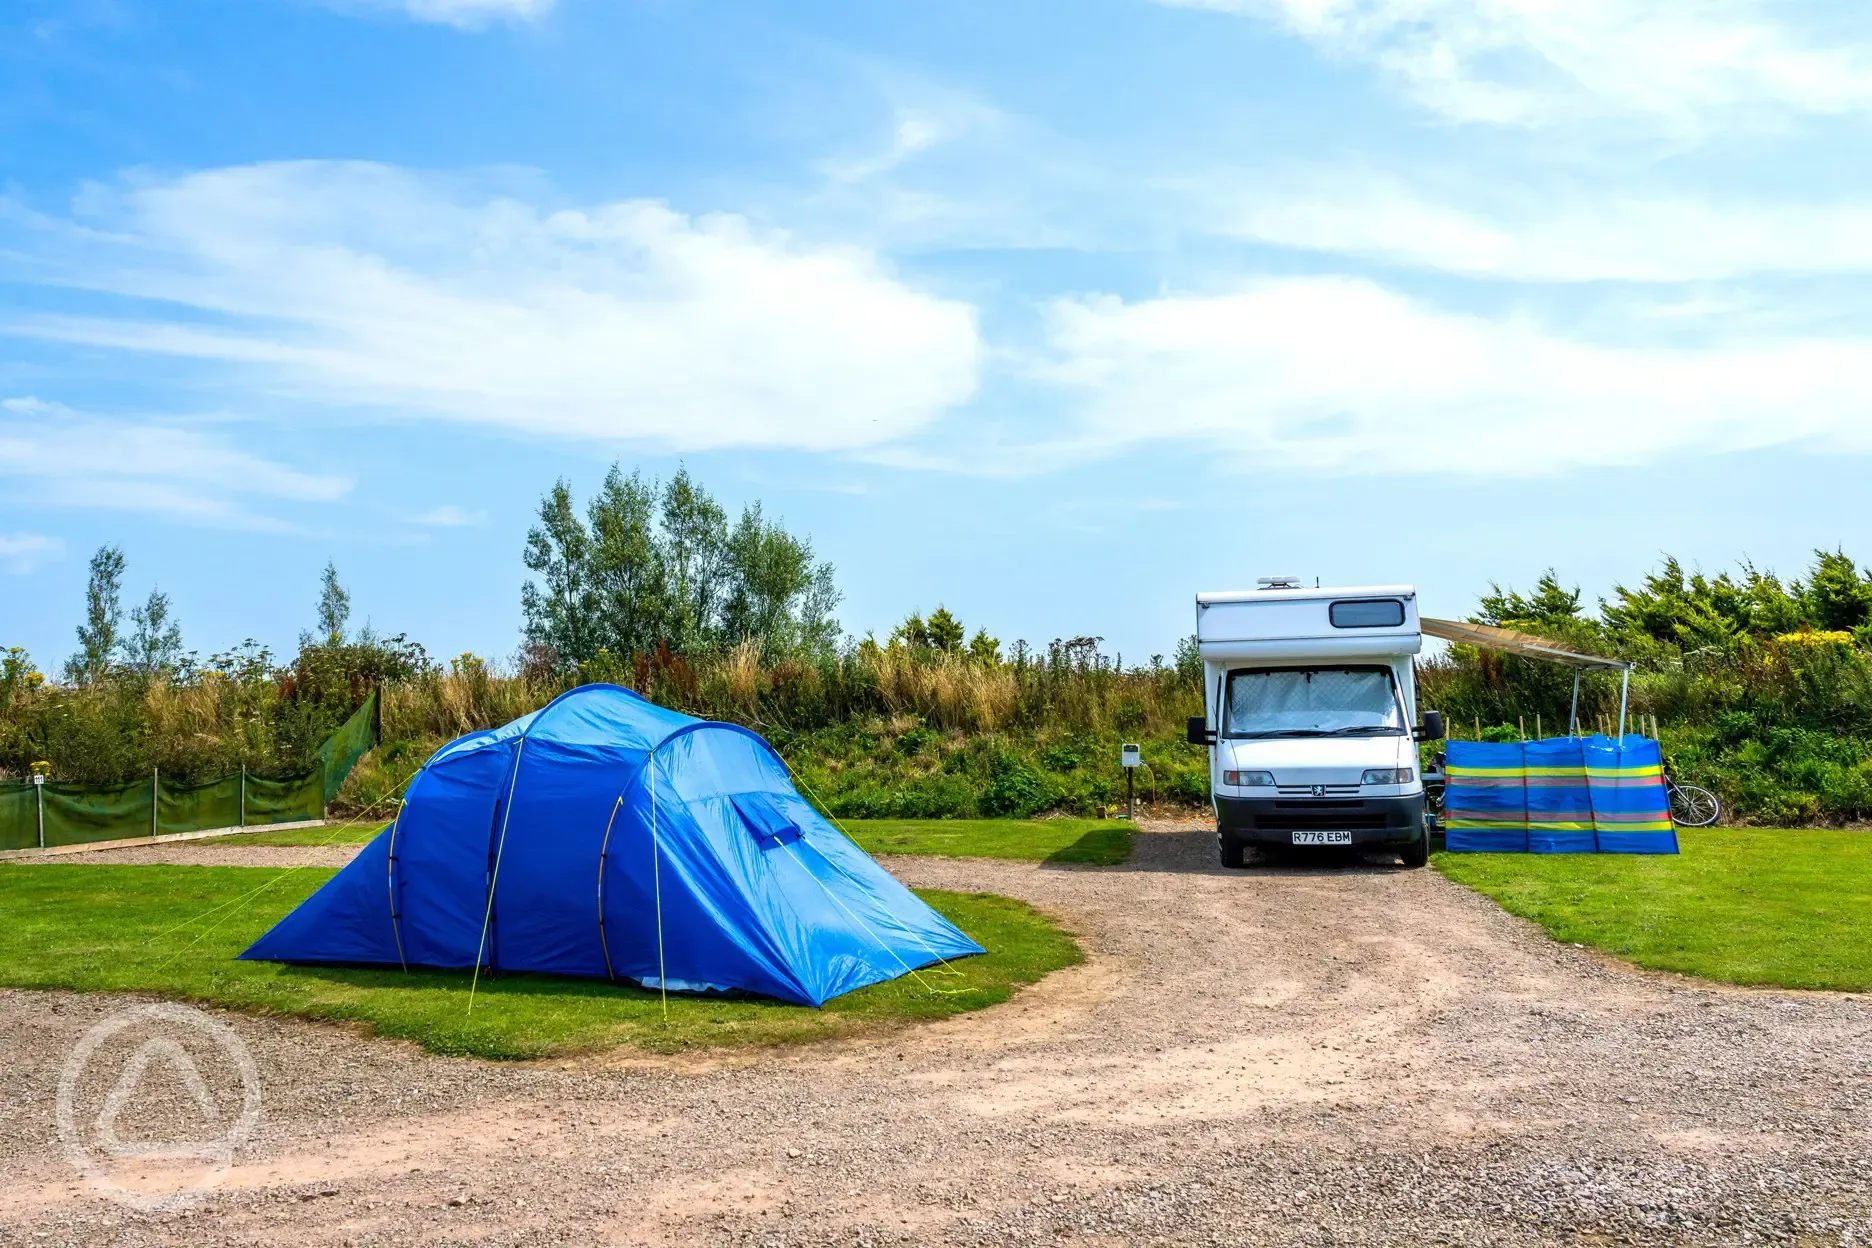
(215, 852)
(1339, 1054)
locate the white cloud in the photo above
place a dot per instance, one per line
(449, 516)
(924, 118)
(1521, 61)
(1553, 238)
(373, 286)
(468, 14)
(20, 553)
(1345, 376)
(71, 459)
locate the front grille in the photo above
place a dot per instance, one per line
(1277, 817)
(1286, 820)
(1328, 790)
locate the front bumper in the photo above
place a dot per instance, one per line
(1374, 821)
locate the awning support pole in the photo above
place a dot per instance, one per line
(1624, 700)
(1573, 719)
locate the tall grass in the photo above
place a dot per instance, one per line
(1779, 724)
(879, 731)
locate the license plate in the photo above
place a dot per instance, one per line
(1322, 838)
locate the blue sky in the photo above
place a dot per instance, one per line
(1051, 313)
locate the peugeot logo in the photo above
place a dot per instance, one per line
(1319, 790)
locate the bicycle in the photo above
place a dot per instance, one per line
(1435, 781)
(1691, 805)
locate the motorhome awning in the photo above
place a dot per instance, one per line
(1525, 644)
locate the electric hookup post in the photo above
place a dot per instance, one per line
(1130, 757)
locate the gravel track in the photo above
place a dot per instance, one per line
(1345, 1055)
(204, 853)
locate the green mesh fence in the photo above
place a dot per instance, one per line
(19, 817)
(192, 807)
(284, 801)
(76, 814)
(355, 738)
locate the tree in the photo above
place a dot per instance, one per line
(1694, 611)
(1550, 603)
(1769, 608)
(985, 649)
(769, 573)
(912, 633)
(816, 629)
(155, 647)
(660, 565)
(696, 558)
(1188, 661)
(628, 573)
(562, 610)
(945, 631)
(334, 607)
(97, 636)
(1837, 597)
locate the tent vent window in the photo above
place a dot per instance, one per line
(766, 822)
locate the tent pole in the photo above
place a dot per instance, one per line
(1573, 719)
(1624, 700)
(656, 878)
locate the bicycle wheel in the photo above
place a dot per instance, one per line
(1693, 807)
(1433, 806)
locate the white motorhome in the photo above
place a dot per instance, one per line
(1311, 718)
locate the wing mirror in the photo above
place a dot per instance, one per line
(1431, 729)
(1198, 730)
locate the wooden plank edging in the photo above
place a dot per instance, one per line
(164, 839)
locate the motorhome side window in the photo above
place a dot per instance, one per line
(1371, 613)
(1313, 702)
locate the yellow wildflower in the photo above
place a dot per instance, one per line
(1813, 637)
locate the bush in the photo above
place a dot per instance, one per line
(1016, 791)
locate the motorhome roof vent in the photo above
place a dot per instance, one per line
(1278, 582)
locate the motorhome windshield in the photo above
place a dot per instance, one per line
(1313, 702)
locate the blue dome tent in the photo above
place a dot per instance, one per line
(606, 836)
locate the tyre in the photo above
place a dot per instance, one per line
(1232, 852)
(1417, 853)
(1692, 807)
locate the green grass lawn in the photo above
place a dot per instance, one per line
(1051, 840)
(330, 834)
(155, 929)
(1744, 905)
(1101, 841)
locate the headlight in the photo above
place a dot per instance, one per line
(1248, 779)
(1389, 775)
